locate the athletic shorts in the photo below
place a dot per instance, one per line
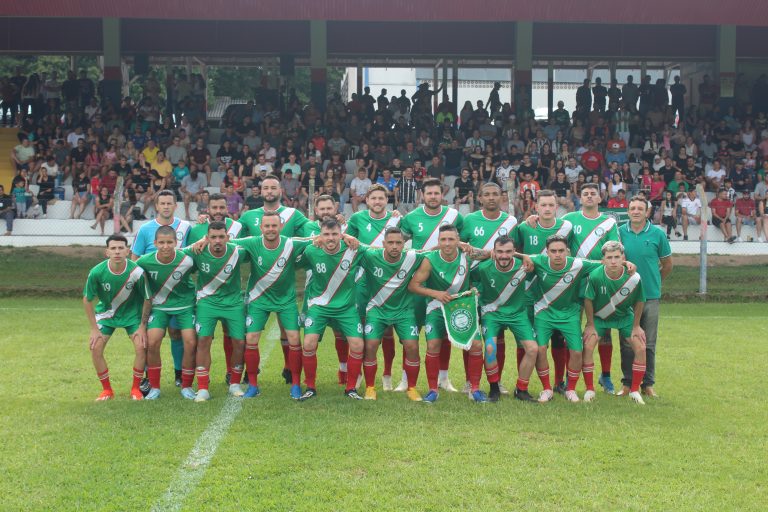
(179, 319)
(346, 321)
(520, 325)
(624, 327)
(108, 330)
(404, 325)
(257, 317)
(570, 329)
(232, 321)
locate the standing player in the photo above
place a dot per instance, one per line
(165, 206)
(501, 282)
(167, 275)
(480, 230)
(388, 272)
(446, 274)
(613, 299)
(118, 284)
(533, 240)
(422, 225)
(219, 299)
(591, 230)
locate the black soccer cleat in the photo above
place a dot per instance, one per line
(560, 388)
(144, 386)
(352, 393)
(287, 376)
(524, 396)
(308, 394)
(177, 378)
(495, 392)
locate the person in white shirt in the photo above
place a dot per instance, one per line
(572, 170)
(358, 188)
(691, 206)
(715, 176)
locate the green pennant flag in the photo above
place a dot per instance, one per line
(461, 320)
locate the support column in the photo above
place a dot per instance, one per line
(444, 81)
(318, 62)
(612, 70)
(726, 64)
(359, 79)
(435, 86)
(523, 75)
(455, 89)
(112, 85)
(550, 89)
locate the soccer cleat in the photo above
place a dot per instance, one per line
(252, 392)
(494, 395)
(478, 396)
(287, 376)
(370, 393)
(144, 386)
(624, 391)
(136, 394)
(236, 390)
(546, 395)
(386, 383)
(188, 393)
(342, 378)
(502, 389)
(571, 396)
(413, 395)
(295, 392)
(467, 389)
(106, 394)
(560, 388)
(607, 384)
(153, 394)
(589, 395)
(308, 394)
(403, 386)
(446, 385)
(178, 378)
(637, 398)
(203, 395)
(523, 396)
(431, 397)
(352, 393)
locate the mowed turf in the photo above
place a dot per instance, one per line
(702, 446)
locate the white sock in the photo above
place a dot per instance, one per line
(404, 379)
(342, 367)
(442, 375)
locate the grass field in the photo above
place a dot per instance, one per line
(702, 446)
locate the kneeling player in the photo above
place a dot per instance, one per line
(613, 299)
(119, 286)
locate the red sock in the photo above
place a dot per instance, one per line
(187, 376)
(104, 379)
(412, 372)
(589, 375)
(137, 376)
(286, 353)
(252, 359)
(465, 357)
(520, 356)
(493, 371)
(501, 354)
(153, 374)
(354, 364)
(342, 350)
(370, 367)
(228, 352)
(638, 372)
(237, 374)
(309, 362)
(445, 354)
(432, 365)
(573, 378)
(544, 377)
(559, 356)
(203, 379)
(522, 385)
(294, 363)
(475, 360)
(388, 349)
(606, 353)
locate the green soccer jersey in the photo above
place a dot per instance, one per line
(589, 235)
(502, 293)
(387, 283)
(480, 232)
(423, 227)
(121, 296)
(169, 284)
(613, 299)
(292, 219)
(234, 229)
(218, 279)
(530, 240)
(368, 230)
(273, 271)
(332, 284)
(558, 291)
(447, 276)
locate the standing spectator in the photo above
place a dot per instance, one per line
(746, 213)
(20, 194)
(584, 97)
(691, 214)
(599, 92)
(358, 189)
(6, 210)
(721, 215)
(407, 192)
(629, 94)
(678, 92)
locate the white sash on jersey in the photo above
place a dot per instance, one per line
(508, 224)
(122, 296)
(182, 230)
(379, 240)
(234, 229)
(618, 298)
(449, 218)
(559, 287)
(394, 282)
(286, 214)
(506, 293)
(168, 286)
(334, 283)
(456, 283)
(220, 278)
(273, 274)
(594, 237)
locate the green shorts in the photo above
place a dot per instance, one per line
(184, 319)
(404, 325)
(108, 330)
(570, 329)
(361, 298)
(624, 327)
(520, 325)
(346, 321)
(232, 320)
(257, 317)
(420, 309)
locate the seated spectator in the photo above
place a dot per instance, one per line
(234, 202)
(6, 210)
(127, 208)
(192, 186)
(616, 185)
(45, 193)
(721, 215)
(562, 190)
(388, 182)
(525, 205)
(311, 184)
(715, 177)
(464, 191)
(232, 180)
(669, 213)
(23, 156)
(254, 200)
(620, 201)
(102, 209)
(746, 214)
(691, 211)
(358, 189)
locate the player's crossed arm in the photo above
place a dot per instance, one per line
(416, 285)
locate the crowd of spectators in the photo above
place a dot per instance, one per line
(636, 138)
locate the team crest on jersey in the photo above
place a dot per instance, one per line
(624, 291)
(568, 278)
(444, 223)
(401, 274)
(462, 270)
(599, 231)
(176, 275)
(281, 262)
(368, 328)
(502, 231)
(515, 281)
(345, 264)
(308, 322)
(179, 236)
(461, 320)
(228, 269)
(150, 319)
(248, 321)
(129, 285)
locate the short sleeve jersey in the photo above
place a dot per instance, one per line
(145, 238)
(198, 232)
(502, 293)
(218, 279)
(387, 282)
(333, 276)
(169, 284)
(292, 219)
(534, 240)
(368, 230)
(613, 299)
(423, 227)
(121, 296)
(589, 235)
(480, 232)
(448, 276)
(558, 292)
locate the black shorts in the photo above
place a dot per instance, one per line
(717, 222)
